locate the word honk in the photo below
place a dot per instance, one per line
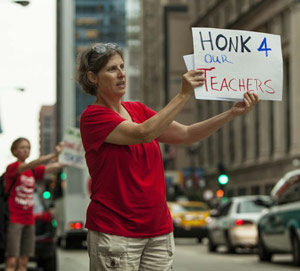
(222, 43)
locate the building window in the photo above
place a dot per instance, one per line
(286, 67)
(217, 20)
(268, 188)
(257, 119)
(285, 25)
(220, 138)
(241, 191)
(271, 127)
(210, 148)
(91, 34)
(100, 8)
(230, 193)
(231, 142)
(255, 190)
(86, 21)
(244, 137)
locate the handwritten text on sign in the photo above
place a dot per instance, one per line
(238, 61)
(73, 152)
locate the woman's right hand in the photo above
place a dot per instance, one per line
(191, 80)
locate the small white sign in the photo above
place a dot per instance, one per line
(73, 152)
(235, 62)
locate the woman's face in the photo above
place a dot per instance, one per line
(22, 150)
(111, 79)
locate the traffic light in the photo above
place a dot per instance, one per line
(219, 193)
(46, 195)
(63, 175)
(223, 179)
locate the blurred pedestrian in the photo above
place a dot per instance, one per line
(20, 239)
(128, 221)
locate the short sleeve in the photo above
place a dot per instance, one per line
(149, 112)
(39, 172)
(141, 111)
(12, 170)
(96, 123)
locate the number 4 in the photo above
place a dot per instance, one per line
(263, 47)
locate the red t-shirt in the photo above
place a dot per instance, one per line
(128, 185)
(20, 201)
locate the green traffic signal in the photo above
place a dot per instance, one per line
(63, 176)
(46, 195)
(223, 179)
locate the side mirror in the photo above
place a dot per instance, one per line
(263, 203)
(215, 213)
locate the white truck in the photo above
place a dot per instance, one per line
(71, 203)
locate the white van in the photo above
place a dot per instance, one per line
(71, 201)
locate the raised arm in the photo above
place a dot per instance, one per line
(128, 132)
(54, 167)
(41, 160)
(177, 133)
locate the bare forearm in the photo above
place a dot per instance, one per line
(201, 130)
(155, 126)
(41, 160)
(54, 167)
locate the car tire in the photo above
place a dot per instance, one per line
(211, 246)
(229, 246)
(296, 249)
(65, 243)
(263, 254)
(48, 263)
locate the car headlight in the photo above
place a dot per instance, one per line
(190, 217)
(208, 220)
(176, 220)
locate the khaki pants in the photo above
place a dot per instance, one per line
(112, 252)
(20, 240)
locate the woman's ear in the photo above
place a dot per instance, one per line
(92, 77)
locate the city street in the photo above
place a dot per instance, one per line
(192, 256)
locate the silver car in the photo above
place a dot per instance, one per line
(234, 223)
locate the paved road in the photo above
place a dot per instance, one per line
(191, 256)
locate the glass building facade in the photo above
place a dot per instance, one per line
(97, 21)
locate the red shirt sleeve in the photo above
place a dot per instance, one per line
(39, 172)
(96, 123)
(11, 170)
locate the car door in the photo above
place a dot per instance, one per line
(221, 224)
(283, 216)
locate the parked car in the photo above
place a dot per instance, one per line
(279, 225)
(45, 228)
(189, 218)
(234, 223)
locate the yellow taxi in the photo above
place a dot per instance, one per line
(189, 218)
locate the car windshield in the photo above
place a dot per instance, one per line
(249, 207)
(180, 209)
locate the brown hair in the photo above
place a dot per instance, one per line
(15, 144)
(90, 60)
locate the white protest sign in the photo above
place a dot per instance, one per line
(189, 62)
(236, 61)
(72, 152)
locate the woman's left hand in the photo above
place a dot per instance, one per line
(58, 149)
(250, 100)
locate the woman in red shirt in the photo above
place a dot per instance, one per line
(129, 224)
(20, 239)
